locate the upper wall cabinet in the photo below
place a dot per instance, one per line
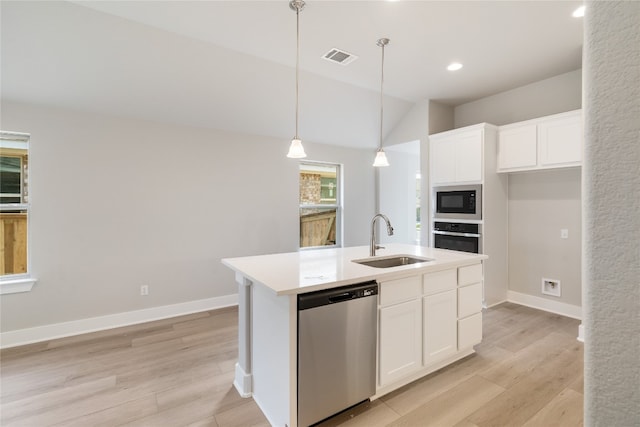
(544, 143)
(457, 156)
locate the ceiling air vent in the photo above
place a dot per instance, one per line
(339, 56)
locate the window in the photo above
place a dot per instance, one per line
(320, 205)
(14, 208)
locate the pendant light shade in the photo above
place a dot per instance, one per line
(381, 157)
(296, 151)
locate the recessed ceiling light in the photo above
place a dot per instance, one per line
(579, 12)
(454, 66)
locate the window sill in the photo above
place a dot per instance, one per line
(16, 285)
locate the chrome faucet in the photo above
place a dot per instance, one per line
(373, 246)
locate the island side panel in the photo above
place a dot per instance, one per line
(273, 357)
(242, 381)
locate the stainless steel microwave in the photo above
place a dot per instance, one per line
(458, 202)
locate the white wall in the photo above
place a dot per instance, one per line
(541, 202)
(414, 126)
(441, 117)
(397, 195)
(611, 221)
(118, 203)
(553, 95)
(540, 205)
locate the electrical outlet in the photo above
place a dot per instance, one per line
(551, 287)
(564, 233)
(144, 290)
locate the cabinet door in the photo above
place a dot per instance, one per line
(400, 341)
(560, 140)
(440, 327)
(468, 157)
(517, 147)
(443, 161)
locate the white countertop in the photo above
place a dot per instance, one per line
(312, 270)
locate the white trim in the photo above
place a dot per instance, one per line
(581, 332)
(17, 285)
(243, 382)
(484, 303)
(93, 324)
(545, 304)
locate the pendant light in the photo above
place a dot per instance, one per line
(381, 157)
(296, 151)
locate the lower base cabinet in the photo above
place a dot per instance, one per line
(400, 341)
(426, 319)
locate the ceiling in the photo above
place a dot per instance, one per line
(230, 65)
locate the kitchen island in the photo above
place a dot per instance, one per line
(429, 315)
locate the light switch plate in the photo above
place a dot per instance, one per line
(564, 233)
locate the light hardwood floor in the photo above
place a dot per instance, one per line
(179, 372)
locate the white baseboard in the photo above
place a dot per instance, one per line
(545, 304)
(243, 382)
(93, 324)
(581, 332)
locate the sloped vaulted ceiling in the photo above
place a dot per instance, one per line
(230, 64)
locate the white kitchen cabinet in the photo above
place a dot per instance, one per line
(400, 344)
(469, 312)
(547, 142)
(469, 331)
(518, 147)
(420, 319)
(439, 327)
(456, 157)
(560, 140)
(443, 161)
(468, 156)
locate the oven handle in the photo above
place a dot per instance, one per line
(452, 233)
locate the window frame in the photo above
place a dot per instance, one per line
(19, 282)
(338, 206)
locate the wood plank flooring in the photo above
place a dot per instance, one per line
(179, 372)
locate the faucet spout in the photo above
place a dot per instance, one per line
(373, 246)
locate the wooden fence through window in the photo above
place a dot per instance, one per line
(13, 229)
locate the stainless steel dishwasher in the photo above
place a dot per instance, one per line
(336, 350)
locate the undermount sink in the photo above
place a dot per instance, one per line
(391, 261)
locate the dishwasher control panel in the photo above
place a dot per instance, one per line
(337, 295)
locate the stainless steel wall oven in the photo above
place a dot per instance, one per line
(458, 236)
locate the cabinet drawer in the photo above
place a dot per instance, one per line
(469, 274)
(469, 331)
(395, 291)
(469, 300)
(439, 281)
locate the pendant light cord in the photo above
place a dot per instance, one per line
(297, 61)
(381, 97)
